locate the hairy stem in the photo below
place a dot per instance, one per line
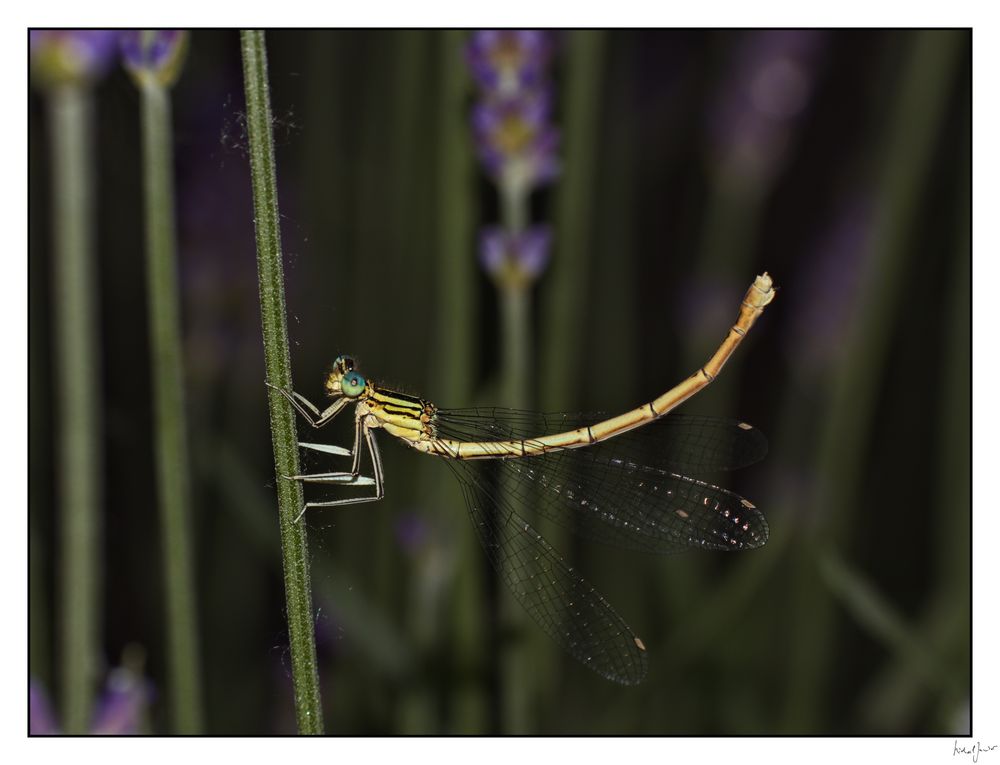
(294, 547)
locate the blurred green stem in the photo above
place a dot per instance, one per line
(295, 557)
(893, 699)
(173, 483)
(515, 307)
(880, 618)
(78, 408)
(516, 673)
(457, 273)
(910, 134)
(569, 277)
(516, 347)
(566, 288)
(515, 310)
(454, 359)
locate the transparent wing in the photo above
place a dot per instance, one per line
(622, 491)
(563, 603)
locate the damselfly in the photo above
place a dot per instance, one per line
(626, 481)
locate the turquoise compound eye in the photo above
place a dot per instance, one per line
(353, 385)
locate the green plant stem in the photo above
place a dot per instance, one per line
(457, 272)
(456, 277)
(913, 126)
(518, 682)
(294, 546)
(173, 483)
(893, 699)
(569, 278)
(515, 317)
(566, 287)
(878, 616)
(77, 386)
(516, 349)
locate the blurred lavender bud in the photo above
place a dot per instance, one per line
(154, 54)
(515, 141)
(433, 560)
(823, 292)
(506, 61)
(329, 627)
(122, 707)
(706, 302)
(514, 260)
(768, 89)
(412, 533)
(120, 710)
(41, 719)
(70, 56)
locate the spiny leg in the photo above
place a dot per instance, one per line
(302, 405)
(376, 468)
(339, 476)
(309, 411)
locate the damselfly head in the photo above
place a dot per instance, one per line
(343, 380)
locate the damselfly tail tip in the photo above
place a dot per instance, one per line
(761, 292)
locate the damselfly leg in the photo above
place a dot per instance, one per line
(317, 419)
(309, 411)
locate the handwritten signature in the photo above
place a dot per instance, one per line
(973, 750)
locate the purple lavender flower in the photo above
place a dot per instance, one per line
(412, 532)
(119, 711)
(329, 626)
(768, 88)
(63, 56)
(515, 141)
(41, 718)
(122, 706)
(707, 302)
(154, 53)
(507, 61)
(514, 258)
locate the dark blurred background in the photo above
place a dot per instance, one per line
(838, 161)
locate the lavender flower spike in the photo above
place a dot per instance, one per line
(515, 260)
(66, 56)
(41, 718)
(515, 141)
(154, 54)
(505, 62)
(122, 706)
(120, 711)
